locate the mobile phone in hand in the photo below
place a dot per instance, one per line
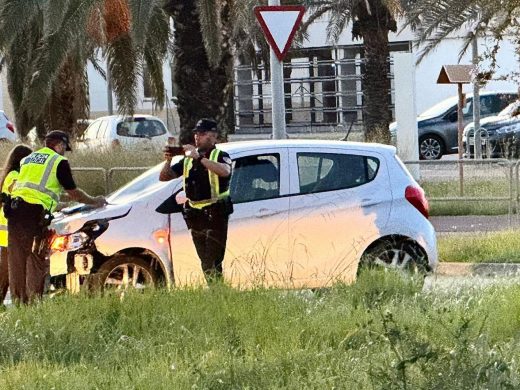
(175, 150)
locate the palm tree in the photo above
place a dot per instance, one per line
(209, 35)
(372, 21)
(46, 46)
(433, 21)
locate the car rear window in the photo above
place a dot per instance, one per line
(320, 172)
(141, 128)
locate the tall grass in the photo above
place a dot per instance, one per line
(380, 333)
(491, 247)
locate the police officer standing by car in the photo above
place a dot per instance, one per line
(207, 172)
(44, 175)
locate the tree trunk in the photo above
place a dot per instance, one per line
(69, 99)
(373, 25)
(202, 91)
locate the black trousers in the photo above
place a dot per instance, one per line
(4, 274)
(209, 228)
(27, 271)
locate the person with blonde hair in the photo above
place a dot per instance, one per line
(8, 177)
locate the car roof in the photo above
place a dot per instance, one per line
(240, 146)
(120, 117)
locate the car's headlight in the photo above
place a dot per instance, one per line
(69, 242)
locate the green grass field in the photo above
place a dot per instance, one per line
(495, 247)
(379, 333)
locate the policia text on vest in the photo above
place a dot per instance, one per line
(44, 176)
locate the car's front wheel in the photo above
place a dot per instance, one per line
(397, 254)
(431, 147)
(123, 273)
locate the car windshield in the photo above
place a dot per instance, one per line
(140, 127)
(510, 110)
(145, 182)
(440, 108)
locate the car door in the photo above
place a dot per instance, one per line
(257, 246)
(341, 200)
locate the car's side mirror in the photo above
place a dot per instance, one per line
(452, 116)
(170, 205)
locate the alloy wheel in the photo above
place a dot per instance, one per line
(128, 275)
(430, 149)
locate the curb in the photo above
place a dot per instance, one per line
(478, 269)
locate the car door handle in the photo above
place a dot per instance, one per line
(369, 202)
(262, 213)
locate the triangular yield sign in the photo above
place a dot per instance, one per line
(279, 24)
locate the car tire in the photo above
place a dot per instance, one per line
(431, 147)
(402, 255)
(123, 273)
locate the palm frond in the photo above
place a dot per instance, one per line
(123, 64)
(54, 49)
(211, 27)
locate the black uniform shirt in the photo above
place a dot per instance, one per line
(64, 175)
(197, 183)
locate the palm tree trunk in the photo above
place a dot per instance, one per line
(201, 90)
(69, 98)
(374, 22)
(376, 86)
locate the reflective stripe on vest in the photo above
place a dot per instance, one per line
(46, 189)
(8, 181)
(214, 183)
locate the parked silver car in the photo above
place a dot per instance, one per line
(307, 214)
(139, 131)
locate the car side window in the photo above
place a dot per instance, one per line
(92, 130)
(102, 131)
(319, 172)
(255, 178)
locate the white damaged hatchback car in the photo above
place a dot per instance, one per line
(306, 214)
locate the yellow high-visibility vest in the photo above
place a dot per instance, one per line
(8, 181)
(214, 184)
(38, 182)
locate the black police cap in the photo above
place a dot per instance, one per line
(204, 125)
(60, 136)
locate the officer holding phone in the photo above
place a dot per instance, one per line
(206, 171)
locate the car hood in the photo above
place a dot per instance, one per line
(494, 122)
(79, 215)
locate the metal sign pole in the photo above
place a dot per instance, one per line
(277, 92)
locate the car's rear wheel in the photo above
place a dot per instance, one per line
(431, 147)
(123, 273)
(397, 254)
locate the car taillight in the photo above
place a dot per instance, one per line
(10, 126)
(415, 195)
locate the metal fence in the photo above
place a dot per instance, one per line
(484, 183)
(319, 95)
(489, 185)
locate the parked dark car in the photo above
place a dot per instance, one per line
(438, 125)
(500, 134)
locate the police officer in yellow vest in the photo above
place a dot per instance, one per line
(206, 171)
(44, 175)
(8, 177)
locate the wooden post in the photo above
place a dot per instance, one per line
(460, 125)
